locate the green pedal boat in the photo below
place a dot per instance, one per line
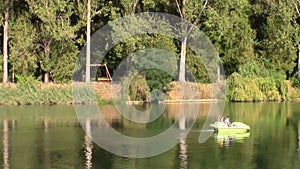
(236, 127)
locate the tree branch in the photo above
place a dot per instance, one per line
(62, 22)
(134, 6)
(179, 9)
(98, 12)
(197, 20)
(296, 6)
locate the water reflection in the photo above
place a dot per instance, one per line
(46, 146)
(88, 145)
(5, 143)
(298, 136)
(183, 154)
(51, 137)
(225, 140)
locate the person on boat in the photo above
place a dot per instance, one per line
(222, 119)
(227, 121)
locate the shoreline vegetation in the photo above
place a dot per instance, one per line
(52, 94)
(257, 52)
(252, 83)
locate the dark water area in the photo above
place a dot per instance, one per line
(35, 137)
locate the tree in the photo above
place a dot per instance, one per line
(22, 48)
(6, 9)
(296, 35)
(1, 44)
(227, 25)
(192, 11)
(126, 50)
(278, 34)
(53, 26)
(88, 41)
(91, 11)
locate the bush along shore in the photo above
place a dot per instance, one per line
(238, 89)
(251, 83)
(254, 82)
(23, 94)
(48, 94)
(29, 91)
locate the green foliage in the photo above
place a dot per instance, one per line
(26, 93)
(157, 79)
(252, 83)
(278, 32)
(196, 67)
(22, 50)
(30, 91)
(228, 27)
(27, 81)
(157, 95)
(253, 69)
(296, 80)
(258, 39)
(84, 94)
(1, 64)
(243, 89)
(139, 89)
(295, 94)
(54, 36)
(268, 87)
(63, 70)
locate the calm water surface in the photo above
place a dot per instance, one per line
(42, 137)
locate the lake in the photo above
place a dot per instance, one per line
(34, 137)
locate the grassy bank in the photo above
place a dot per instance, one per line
(295, 94)
(24, 94)
(48, 94)
(44, 94)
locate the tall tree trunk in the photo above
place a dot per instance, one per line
(219, 74)
(183, 15)
(181, 76)
(298, 66)
(47, 53)
(46, 77)
(5, 41)
(88, 39)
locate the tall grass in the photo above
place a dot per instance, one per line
(32, 93)
(23, 95)
(241, 88)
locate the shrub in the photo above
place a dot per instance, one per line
(27, 81)
(296, 80)
(157, 95)
(253, 69)
(139, 89)
(241, 88)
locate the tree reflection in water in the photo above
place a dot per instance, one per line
(183, 154)
(299, 136)
(88, 145)
(5, 143)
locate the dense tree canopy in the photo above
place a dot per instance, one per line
(45, 36)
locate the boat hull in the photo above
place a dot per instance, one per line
(237, 127)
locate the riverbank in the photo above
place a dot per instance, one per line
(50, 94)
